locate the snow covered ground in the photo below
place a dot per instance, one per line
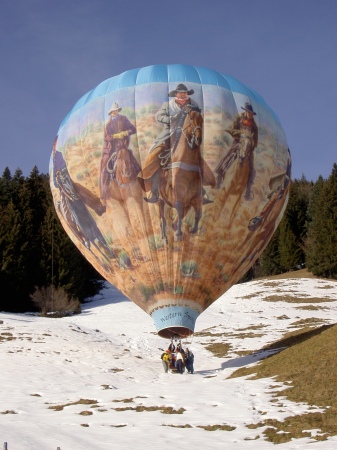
(95, 381)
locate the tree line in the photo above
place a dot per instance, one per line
(307, 234)
(36, 252)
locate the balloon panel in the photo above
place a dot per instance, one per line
(218, 164)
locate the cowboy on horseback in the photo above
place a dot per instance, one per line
(243, 126)
(172, 115)
(118, 130)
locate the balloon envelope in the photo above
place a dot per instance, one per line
(171, 181)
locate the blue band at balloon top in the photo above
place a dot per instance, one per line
(172, 73)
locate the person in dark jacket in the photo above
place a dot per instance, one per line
(189, 360)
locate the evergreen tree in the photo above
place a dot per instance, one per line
(290, 252)
(294, 222)
(322, 229)
(35, 251)
(269, 261)
(5, 187)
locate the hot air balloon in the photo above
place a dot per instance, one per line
(171, 179)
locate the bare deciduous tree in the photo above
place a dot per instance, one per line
(55, 302)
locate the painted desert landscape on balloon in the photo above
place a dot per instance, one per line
(183, 249)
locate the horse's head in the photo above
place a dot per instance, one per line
(124, 173)
(245, 145)
(194, 133)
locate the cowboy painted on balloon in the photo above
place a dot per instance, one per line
(181, 179)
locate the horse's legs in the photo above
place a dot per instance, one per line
(162, 220)
(251, 176)
(179, 208)
(198, 215)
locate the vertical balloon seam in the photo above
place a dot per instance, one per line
(215, 251)
(164, 270)
(222, 206)
(252, 244)
(125, 210)
(156, 268)
(105, 108)
(237, 246)
(170, 261)
(196, 237)
(171, 241)
(142, 223)
(132, 239)
(234, 249)
(154, 259)
(192, 243)
(84, 157)
(160, 268)
(242, 201)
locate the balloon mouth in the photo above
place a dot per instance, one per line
(174, 320)
(175, 332)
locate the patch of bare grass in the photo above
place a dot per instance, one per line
(206, 333)
(6, 336)
(252, 327)
(177, 426)
(255, 295)
(213, 335)
(308, 367)
(219, 349)
(247, 335)
(292, 299)
(309, 322)
(82, 401)
(86, 413)
(162, 409)
(216, 427)
(311, 308)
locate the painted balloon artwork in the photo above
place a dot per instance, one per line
(171, 180)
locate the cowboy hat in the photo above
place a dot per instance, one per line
(115, 107)
(248, 107)
(181, 88)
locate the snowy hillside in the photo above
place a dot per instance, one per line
(95, 381)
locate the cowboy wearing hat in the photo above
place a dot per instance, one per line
(243, 124)
(117, 132)
(169, 115)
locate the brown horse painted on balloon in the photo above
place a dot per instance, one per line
(180, 181)
(125, 189)
(238, 170)
(123, 169)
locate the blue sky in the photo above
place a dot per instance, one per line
(52, 53)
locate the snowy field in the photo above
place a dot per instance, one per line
(95, 381)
